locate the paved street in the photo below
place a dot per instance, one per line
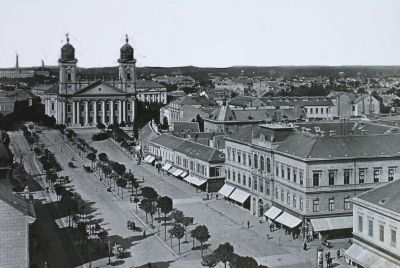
(225, 221)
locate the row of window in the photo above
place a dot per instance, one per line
(317, 110)
(331, 204)
(256, 184)
(289, 173)
(262, 163)
(381, 234)
(347, 174)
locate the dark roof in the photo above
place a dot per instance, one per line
(147, 132)
(148, 84)
(180, 127)
(386, 196)
(17, 201)
(246, 101)
(309, 146)
(53, 89)
(167, 141)
(200, 151)
(297, 101)
(6, 157)
(268, 132)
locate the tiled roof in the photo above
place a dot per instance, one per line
(186, 127)
(309, 146)
(386, 196)
(167, 141)
(147, 133)
(200, 151)
(246, 133)
(53, 90)
(148, 84)
(246, 101)
(297, 101)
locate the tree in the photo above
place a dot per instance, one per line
(145, 205)
(186, 221)
(210, 260)
(149, 193)
(178, 231)
(241, 262)
(201, 234)
(91, 157)
(177, 215)
(103, 157)
(131, 179)
(224, 252)
(165, 204)
(101, 126)
(165, 124)
(107, 171)
(121, 183)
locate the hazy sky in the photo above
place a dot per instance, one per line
(203, 32)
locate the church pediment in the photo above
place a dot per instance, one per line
(99, 88)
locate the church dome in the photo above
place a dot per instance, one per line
(67, 52)
(126, 52)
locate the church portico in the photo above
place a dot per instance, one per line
(83, 103)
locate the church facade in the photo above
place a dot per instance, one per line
(83, 103)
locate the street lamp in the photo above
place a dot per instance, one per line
(109, 251)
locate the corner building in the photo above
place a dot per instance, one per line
(302, 180)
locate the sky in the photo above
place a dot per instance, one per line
(205, 33)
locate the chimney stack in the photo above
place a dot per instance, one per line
(16, 63)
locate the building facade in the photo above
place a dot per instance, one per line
(308, 176)
(376, 223)
(77, 102)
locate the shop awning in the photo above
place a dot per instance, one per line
(184, 174)
(177, 172)
(288, 220)
(272, 213)
(195, 180)
(226, 190)
(335, 223)
(151, 159)
(146, 159)
(172, 170)
(367, 258)
(239, 196)
(166, 167)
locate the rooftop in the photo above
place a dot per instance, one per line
(200, 151)
(167, 141)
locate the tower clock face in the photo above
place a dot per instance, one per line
(69, 51)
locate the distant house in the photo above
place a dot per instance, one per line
(8, 99)
(181, 127)
(348, 105)
(388, 99)
(376, 228)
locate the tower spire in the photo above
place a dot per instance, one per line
(67, 37)
(126, 38)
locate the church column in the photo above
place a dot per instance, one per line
(78, 113)
(103, 108)
(111, 112)
(94, 112)
(119, 111)
(63, 120)
(73, 113)
(133, 111)
(86, 113)
(124, 111)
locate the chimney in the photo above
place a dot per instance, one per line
(16, 63)
(364, 132)
(332, 133)
(42, 65)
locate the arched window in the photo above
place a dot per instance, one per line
(69, 75)
(128, 75)
(268, 165)
(262, 164)
(255, 161)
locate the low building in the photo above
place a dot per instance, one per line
(376, 228)
(195, 163)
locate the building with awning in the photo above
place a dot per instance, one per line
(376, 228)
(360, 255)
(167, 166)
(177, 172)
(183, 174)
(149, 159)
(172, 170)
(195, 180)
(226, 190)
(288, 220)
(328, 227)
(240, 197)
(273, 212)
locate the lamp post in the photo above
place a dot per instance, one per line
(109, 251)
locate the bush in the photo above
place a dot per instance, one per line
(100, 136)
(87, 168)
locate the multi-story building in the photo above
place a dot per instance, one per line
(77, 102)
(197, 164)
(310, 177)
(376, 228)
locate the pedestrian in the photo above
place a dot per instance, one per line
(216, 196)
(248, 224)
(130, 199)
(338, 253)
(144, 233)
(208, 196)
(305, 245)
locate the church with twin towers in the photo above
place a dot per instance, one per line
(79, 102)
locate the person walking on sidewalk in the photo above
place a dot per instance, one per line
(248, 224)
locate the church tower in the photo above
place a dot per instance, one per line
(67, 64)
(127, 67)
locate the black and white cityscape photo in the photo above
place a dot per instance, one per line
(190, 134)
